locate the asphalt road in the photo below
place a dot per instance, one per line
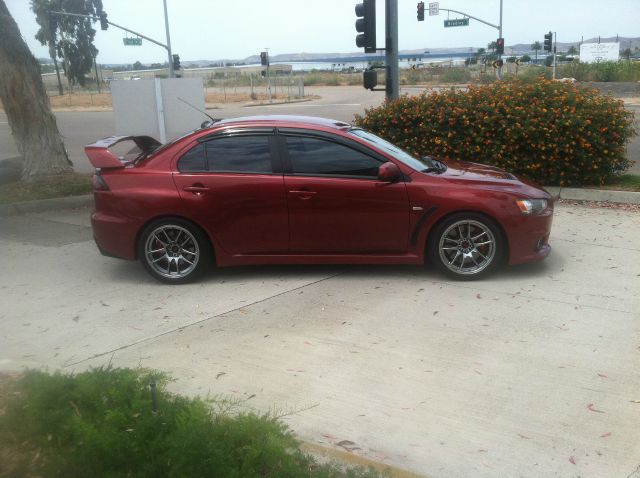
(532, 372)
(341, 103)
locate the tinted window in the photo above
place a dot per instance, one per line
(193, 160)
(317, 156)
(239, 154)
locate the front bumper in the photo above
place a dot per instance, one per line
(529, 238)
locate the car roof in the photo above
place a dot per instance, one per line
(283, 120)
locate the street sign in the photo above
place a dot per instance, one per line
(434, 8)
(132, 41)
(457, 22)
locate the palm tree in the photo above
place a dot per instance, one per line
(536, 47)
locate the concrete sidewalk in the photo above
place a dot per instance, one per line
(532, 372)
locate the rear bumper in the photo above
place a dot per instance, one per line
(115, 236)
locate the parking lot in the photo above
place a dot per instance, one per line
(532, 372)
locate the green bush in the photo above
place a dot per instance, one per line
(100, 423)
(552, 132)
(603, 71)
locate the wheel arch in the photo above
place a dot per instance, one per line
(161, 217)
(505, 238)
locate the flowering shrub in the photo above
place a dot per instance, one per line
(552, 132)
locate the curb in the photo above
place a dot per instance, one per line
(600, 195)
(42, 205)
(352, 459)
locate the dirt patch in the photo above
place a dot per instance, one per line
(83, 100)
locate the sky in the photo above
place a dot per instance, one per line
(217, 29)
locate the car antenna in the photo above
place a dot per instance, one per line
(213, 120)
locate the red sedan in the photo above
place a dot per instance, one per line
(303, 190)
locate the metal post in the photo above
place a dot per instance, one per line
(95, 66)
(500, 24)
(268, 76)
(554, 54)
(172, 74)
(391, 54)
(499, 69)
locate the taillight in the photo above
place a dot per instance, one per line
(99, 184)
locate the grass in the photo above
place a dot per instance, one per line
(625, 182)
(103, 423)
(46, 188)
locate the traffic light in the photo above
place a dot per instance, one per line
(264, 58)
(500, 46)
(370, 79)
(548, 41)
(421, 11)
(104, 24)
(176, 62)
(366, 25)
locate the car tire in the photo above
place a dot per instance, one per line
(174, 251)
(466, 246)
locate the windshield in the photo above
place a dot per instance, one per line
(419, 164)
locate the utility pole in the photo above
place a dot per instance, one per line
(555, 41)
(499, 70)
(172, 73)
(391, 54)
(268, 77)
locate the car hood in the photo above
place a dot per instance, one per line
(467, 170)
(482, 175)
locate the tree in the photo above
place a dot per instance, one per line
(72, 40)
(26, 104)
(536, 46)
(138, 66)
(525, 59)
(572, 50)
(626, 53)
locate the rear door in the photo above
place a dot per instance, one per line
(337, 205)
(232, 184)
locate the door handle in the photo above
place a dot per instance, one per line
(196, 189)
(303, 193)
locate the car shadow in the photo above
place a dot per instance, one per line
(133, 273)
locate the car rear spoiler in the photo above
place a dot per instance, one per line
(101, 158)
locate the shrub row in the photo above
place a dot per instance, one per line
(552, 132)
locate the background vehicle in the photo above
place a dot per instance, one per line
(302, 190)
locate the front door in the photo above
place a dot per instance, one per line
(337, 205)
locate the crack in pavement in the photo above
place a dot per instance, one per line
(183, 327)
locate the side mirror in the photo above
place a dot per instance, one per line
(389, 172)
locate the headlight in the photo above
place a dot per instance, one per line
(531, 206)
